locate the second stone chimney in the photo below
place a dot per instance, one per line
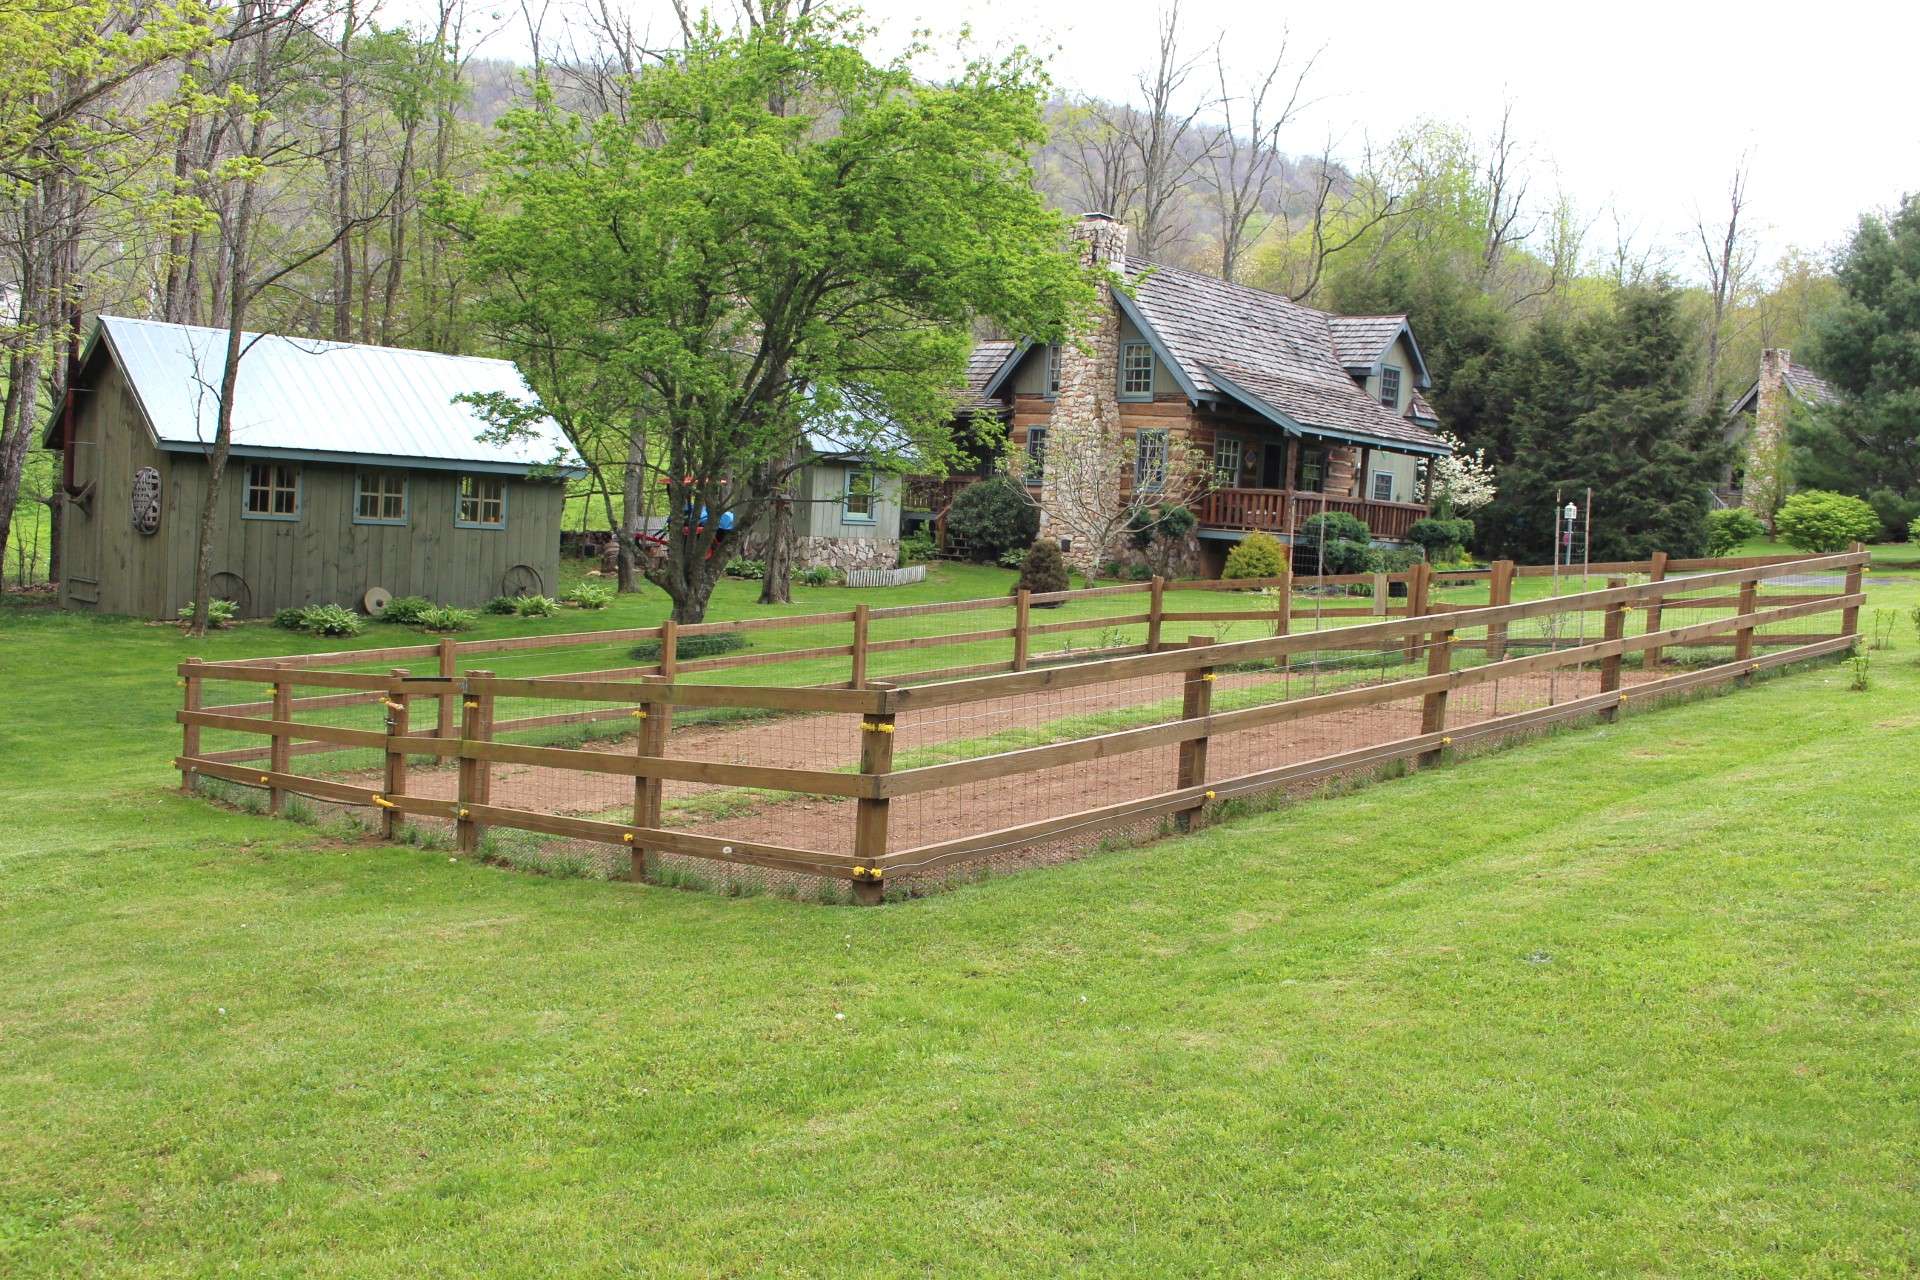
(1103, 239)
(1084, 466)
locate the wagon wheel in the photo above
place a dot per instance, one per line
(231, 586)
(522, 580)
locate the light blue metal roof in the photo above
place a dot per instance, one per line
(302, 397)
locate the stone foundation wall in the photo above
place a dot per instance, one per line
(846, 553)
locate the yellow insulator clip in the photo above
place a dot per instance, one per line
(264, 779)
(1208, 676)
(626, 837)
(638, 715)
(471, 705)
(463, 813)
(870, 726)
(868, 873)
(1446, 742)
(385, 803)
(1209, 795)
(391, 705)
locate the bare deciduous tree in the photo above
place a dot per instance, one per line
(1726, 255)
(1248, 158)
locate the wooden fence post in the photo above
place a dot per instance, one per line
(1196, 703)
(1614, 628)
(870, 819)
(1743, 636)
(190, 733)
(1382, 592)
(1419, 582)
(656, 723)
(859, 646)
(399, 705)
(1283, 616)
(1156, 611)
(443, 728)
(1499, 592)
(1022, 620)
(476, 775)
(1433, 706)
(1656, 572)
(280, 752)
(1850, 617)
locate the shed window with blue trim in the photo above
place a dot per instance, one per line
(273, 492)
(483, 503)
(1136, 371)
(380, 497)
(861, 498)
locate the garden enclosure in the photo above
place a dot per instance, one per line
(875, 750)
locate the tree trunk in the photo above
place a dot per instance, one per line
(632, 511)
(343, 188)
(56, 510)
(776, 587)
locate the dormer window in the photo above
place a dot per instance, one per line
(1053, 369)
(1390, 387)
(1136, 371)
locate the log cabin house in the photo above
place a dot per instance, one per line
(1297, 410)
(352, 468)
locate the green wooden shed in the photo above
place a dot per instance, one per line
(353, 469)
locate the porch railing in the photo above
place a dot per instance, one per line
(1283, 510)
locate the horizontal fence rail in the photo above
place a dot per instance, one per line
(910, 772)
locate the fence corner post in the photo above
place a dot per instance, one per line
(1156, 611)
(1022, 620)
(280, 752)
(1850, 616)
(399, 706)
(1656, 572)
(1433, 705)
(1615, 631)
(860, 612)
(190, 733)
(1196, 703)
(870, 819)
(476, 774)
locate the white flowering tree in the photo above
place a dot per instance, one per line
(1460, 483)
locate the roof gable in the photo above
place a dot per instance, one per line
(300, 397)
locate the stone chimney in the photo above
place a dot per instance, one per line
(1083, 466)
(1761, 483)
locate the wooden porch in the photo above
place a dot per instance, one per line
(1281, 511)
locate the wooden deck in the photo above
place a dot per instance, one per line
(1282, 511)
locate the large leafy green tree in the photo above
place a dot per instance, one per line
(1602, 401)
(778, 234)
(1868, 348)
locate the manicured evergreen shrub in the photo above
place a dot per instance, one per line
(1822, 522)
(1345, 555)
(1258, 555)
(1727, 529)
(1442, 539)
(991, 516)
(1044, 569)
(690, 647)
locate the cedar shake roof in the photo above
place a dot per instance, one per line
(982, 364)
(1266, 351)
(1420, 411)
(1802, 383)
(1361, 340)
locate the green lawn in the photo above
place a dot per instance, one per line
(1627, 1000)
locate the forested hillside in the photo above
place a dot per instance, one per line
(291, 165)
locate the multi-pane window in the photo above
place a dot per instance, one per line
(381, 498)
(273, 491)
(1136, 370)
(1227, 452)
(861, 494)
(1150, 458)
(483, 502)
(1053, 369)
(1383, 486)
(1390, 387)
(1313, 469)
(1036, 468)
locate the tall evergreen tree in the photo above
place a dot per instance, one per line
(1868, 348)
(1603, 402)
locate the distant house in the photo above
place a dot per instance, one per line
(846, 511)
(1757, 420)
(1298, 410)
(352, 468)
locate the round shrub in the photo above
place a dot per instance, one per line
(290, 619)
(1442, 539)
(501, 605)
(1332, 526)
(1044, 569)
(447, 618)
(530, 607)
(1258, 555)
(1823, 522)
(1728, 528)
(1345, 555)
(1913, 530)
(992, 516)
(330, 620)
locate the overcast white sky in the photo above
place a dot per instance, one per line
(1634, 106)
